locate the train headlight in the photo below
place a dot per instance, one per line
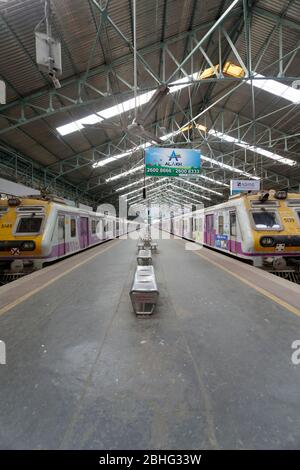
(13, 202)
(281, 195)
(28, 246)
(267, 241)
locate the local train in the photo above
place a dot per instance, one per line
(262, 227)
(38, 230)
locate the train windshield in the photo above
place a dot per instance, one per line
(29, 225)
(266, 220)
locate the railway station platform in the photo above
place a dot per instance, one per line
(210, 369)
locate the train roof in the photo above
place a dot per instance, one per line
(31, 199)
(58, 203)
(272, 194)
(263, 196)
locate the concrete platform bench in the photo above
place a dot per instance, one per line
(144, 257)
(140, 245)
(154, 247)
(144, 291)
(147, 242)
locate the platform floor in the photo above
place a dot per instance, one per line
(210, 369)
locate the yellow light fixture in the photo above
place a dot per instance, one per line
(232, 70)
(229, 70)
(191, 125)
(272, 192)
(208, 73)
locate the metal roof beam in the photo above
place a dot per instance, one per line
(110, 148)
(276, 18)
(102, 69)
(19, 168)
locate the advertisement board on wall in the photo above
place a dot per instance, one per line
(240, 186)
(221, 241)
(172, 162)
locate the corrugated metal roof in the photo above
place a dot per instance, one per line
(75, 22)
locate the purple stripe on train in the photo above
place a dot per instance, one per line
(235, 247)
(66, 248)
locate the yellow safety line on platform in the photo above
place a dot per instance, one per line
(24, 297)
(276, 299)
(273, 297)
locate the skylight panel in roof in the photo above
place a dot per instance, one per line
(276, 88)
(190, 192)
(132, 184)
(120, 108)
(201, 187)
(125, 173)
(228, 167)
(76, 126)
(147, 186)
(105, 161)
(212, 180)
(253, 148)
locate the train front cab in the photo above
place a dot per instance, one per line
(22, 223)
(275, 224)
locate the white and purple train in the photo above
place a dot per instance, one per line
(263, 228)
(35, 231)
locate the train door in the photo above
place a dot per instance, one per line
(172, 223)
(209, 229)
(107, 228)
(61, 235)
(233, 232)
(84, 232)
(190, 228)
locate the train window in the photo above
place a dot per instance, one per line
(3, 210)
(233, 224)
(29, 225)
(293, 202)
(73, 227)
(266, 220)
(265, 203)
(30, 209)
(94, 226)
(221, 224)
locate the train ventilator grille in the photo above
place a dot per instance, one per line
(5, 278)
(288, 275)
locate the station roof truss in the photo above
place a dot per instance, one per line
(245, 123)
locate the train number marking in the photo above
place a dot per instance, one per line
(6, 225)
(289, 219)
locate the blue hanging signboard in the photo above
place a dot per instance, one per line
(160, 161)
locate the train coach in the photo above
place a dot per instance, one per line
(37, 230)
(263, 228)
